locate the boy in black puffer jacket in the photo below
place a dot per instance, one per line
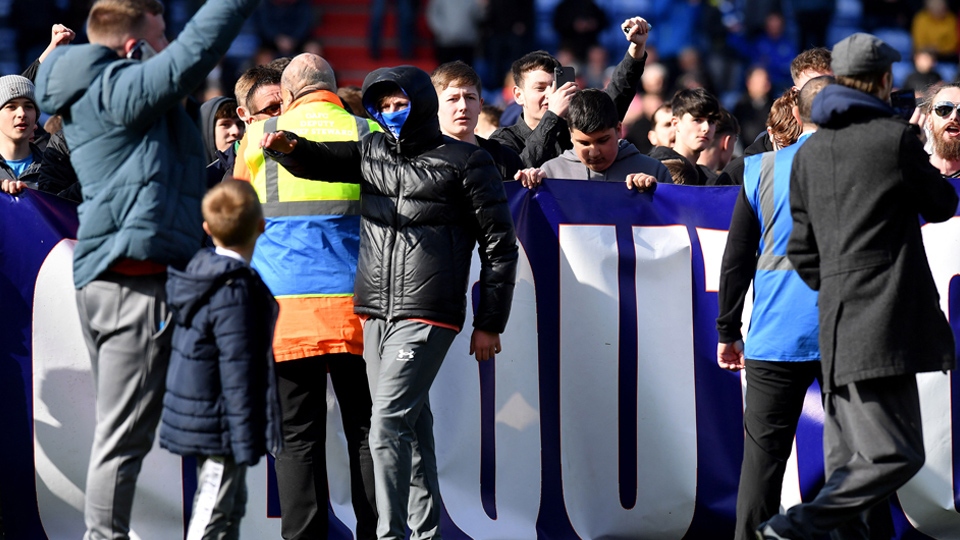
(221, 402)
(427, 202)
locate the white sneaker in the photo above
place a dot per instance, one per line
(767, 533)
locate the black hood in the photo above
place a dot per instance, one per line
(839, 105)
(421, 130)
(208, 123)
(188, 290)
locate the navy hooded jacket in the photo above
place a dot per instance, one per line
(221, 396)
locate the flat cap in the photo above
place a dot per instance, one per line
(862, 53)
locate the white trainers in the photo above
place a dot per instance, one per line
(767, 533)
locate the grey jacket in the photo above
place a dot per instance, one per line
(139, 157)
(629, 160)
(856, 188)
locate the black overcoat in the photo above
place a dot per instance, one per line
(857, 188)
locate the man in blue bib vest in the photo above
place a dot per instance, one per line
(781, 356)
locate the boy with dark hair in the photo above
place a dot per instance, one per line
(695, 114)
(662, 131)
(489, 120)
(715, 157)
(540, 134)
(458, 90)
(222, 130)
(221, 401)
(598, 153)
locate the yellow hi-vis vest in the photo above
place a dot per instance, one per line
(307, 255)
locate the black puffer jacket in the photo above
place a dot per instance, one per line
(426, 201)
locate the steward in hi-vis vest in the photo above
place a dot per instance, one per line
(308, 253)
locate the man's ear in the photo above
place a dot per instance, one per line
(518, 95)
(242, 113)
(206, 228)
(795, 111)
(652, 137)
(674, 121)
(727, 142)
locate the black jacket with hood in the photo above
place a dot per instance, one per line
(219, 164)
(426, 201)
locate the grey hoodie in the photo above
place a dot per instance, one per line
(629, 160)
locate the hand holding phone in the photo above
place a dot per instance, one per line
(142, 51)
(903, 103)
(563, 75)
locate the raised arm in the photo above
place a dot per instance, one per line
(626, 77)
(142, 92)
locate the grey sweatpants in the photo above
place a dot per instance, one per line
(403, 358)
(127, 330)
(872, 445)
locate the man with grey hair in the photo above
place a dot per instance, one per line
(857, 187)
(308, 258)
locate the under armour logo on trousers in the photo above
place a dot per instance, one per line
(405, 356)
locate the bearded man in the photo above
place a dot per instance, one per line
(945, 130)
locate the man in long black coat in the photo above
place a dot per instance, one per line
(856, 190)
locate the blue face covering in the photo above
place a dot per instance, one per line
(394, 120)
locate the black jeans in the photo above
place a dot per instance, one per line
(774, 401)
(301, 466)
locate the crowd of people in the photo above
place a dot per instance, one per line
(227, 261)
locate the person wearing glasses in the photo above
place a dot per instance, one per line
(944, 124)
(857, 187)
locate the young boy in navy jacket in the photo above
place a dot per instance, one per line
(221, 400)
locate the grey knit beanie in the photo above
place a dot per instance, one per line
(15, 86)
